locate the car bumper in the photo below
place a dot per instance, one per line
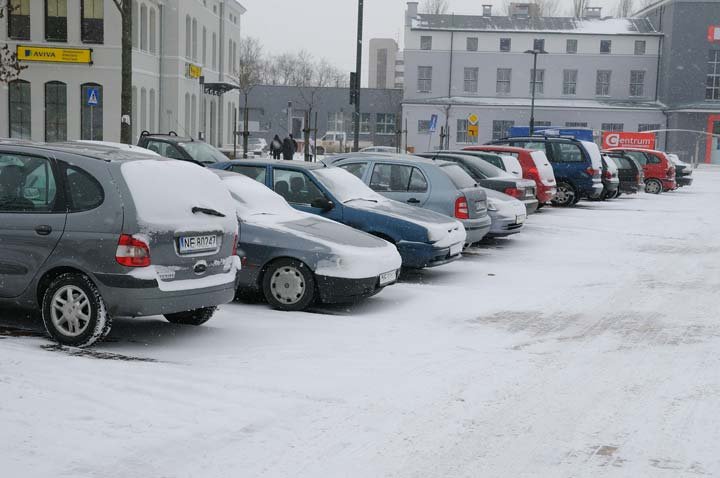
(684, 181)
(531, 205)
(503, 226)
(418, 255)
(545, 194)
(477, 229)
(338, 290)
(629, 187)
(126, 296)
(595, 192)
(669, 184)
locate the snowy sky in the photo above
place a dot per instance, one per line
(327, 29)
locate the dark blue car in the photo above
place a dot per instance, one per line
(577, 165)
(423, 238)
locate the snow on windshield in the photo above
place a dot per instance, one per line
(345, 186)
(252, 198)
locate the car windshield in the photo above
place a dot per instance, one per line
(345, 186)
(203, 153)
(484, 168)
(459, 177)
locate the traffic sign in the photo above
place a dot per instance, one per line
(93, 96)
(473, 130)
(473, 118)
(433, 123)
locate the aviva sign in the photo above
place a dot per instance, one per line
(56, 55)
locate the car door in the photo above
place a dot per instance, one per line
(32, 217)
(400, 182)
(303, 193)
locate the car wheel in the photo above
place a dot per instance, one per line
(653, 186)
(191, 317)
(566, 195)
(289, 285)
(74, 312)
(618, 194)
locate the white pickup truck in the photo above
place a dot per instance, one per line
(337, 142)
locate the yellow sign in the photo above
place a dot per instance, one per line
(194, 71)
(473, 119)
(473, 130)
(56, 55)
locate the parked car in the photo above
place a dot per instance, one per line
(297, 259)
(122, 146)
(535, 166)
(490, 177)
(185, 149)
(610, 179)
(507, 213)
(439, 186)
(630, 173)
(257, 147)
(379, 149)
(683, 171)
(423, 238)
(505, 162)
(88, 235)
(577, 165)
(659, 170)
(334, 142)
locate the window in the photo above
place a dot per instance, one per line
(566, 152)
(539, 44)
(612, 127)
(296, 187)
(214, 51)
(186, 123)
(637, 156)
(336, 122)
(56, 20)
(605, 46)
(602, 83)
(193, 115)
(258, 173)
(397, 178)
(194, 39)
(471, 80)
(462, 134)
(55, 111)
(151, 108)
(356, 169)
(19, 109)
(571, 46)
(576, 124)
(385, 123)
(503, 82)
(505, 44)
(19, 19)
(472, 44)
(153, 31)
(84, 192)
(143, 109)
(134, 118)
(423, 127)
(543, 124)
(424, 79)
(92, 26)
(164, 149)
(570, 82)
(500, 128)
(135, 29)
(91, 117)
(640, 47)
(712, 90)
(204, 47)
(539, 79)
(364, 123)
(649, 127)
(637, 83)
(27, 184)
(188, 37)
(381, 68)
(426, 43)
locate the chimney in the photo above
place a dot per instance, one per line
(411, 13)
(487, 10)
(524, 10)
(594, 13)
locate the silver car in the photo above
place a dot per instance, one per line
(89, 233)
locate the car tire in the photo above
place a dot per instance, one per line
(566, 195)
(618, 194)
(191, 317)
(74, 312)
(653, 186)
(289, 285)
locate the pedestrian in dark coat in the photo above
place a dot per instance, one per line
(288, 149)
(294, 142)
(276, 147)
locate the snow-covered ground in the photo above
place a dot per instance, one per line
(587, 346)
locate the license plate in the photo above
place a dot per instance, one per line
(456, 249)
(480, 206)
(388, 277)
(190, 244)
(520, 219)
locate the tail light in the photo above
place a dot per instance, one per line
(607, 174)
(132, 252)
(461, 208)
(592, 172)
(533, 173)
(235, 245)
(671, 173)
(514, 192)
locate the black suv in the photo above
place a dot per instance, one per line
(185, 149)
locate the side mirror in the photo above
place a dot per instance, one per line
(322, 203)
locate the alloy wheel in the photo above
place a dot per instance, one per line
(70, 311)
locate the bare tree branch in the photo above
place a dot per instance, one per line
(579, 8)
(435, 7)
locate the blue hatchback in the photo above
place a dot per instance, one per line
(423, 238)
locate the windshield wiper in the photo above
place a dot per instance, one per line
(208, 211)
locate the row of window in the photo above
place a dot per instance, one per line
(144, 28)
(55, 18)
(385, 123)
(712, 89)
(193, 53)
(503, 81)
(505, 45)
(20, 108)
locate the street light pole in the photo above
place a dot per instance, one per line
(358, 77)
(535, 54)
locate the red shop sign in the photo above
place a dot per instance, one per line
(628, 140)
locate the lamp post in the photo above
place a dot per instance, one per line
(535, 54)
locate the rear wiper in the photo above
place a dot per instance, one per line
(209, 212)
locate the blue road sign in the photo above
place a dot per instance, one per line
(433, 123)
(93, 97)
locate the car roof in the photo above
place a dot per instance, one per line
(497, 147)
(643, 150)
(277, 162)
(539, 138)
(168, 137)
(402, 158)
(88, 150)
(468, 152)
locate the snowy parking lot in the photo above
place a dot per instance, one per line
(586, 346)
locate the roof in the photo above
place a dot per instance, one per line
(495, 147)
(609, 26)
(95, 151)
(541, 103)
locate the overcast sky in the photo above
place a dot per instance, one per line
(327, 28)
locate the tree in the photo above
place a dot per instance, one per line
(435, 7)
(126, 18)
(247, 77)
(548, 8)
(10, 67)
(624, 8)
(579, 8)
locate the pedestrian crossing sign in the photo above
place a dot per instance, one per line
(93, 97)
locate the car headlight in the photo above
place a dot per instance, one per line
(492, 205)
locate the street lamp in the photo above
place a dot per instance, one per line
(535, 54)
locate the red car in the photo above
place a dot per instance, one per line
(535, 166)
(659, 170)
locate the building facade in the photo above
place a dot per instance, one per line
(595, 73)
(385, 64)
(71, 87)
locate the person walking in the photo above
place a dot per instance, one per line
(295, 143)
(276, 147)
(288, 149)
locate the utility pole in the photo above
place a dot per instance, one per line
(358, 76)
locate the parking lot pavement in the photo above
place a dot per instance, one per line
(585, 346)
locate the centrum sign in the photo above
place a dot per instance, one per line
(55, 55)
(628, 140)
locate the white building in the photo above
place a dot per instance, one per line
(385, 64)
(72, 52)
